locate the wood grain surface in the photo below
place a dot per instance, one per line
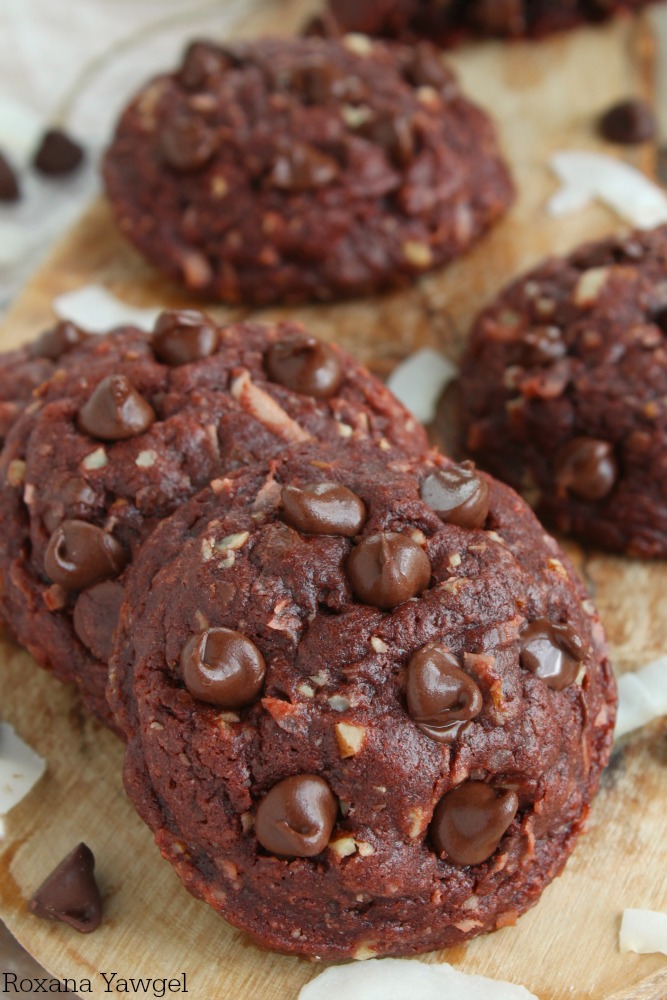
(545, 97)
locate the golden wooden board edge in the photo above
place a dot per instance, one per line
(545, 97)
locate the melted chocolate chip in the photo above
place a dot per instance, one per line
(470, 821)
(187, 143)
(458, 495)
(305, 365)
(182, 336)
(394, 134)
(317, 81)
(57, 153)
(70, 893)
(223, 667)
(628, 123)
(115, 411)
(9, 185)
(323, 509)
(199, 62)
(95, 618)
(57, 341)
(296, 817)
(301, 167)
(586, 466)
(80, 554)
(552, 652)
(441, 697)
(426, 68)
(387, 569)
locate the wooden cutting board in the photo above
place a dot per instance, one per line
(545, 97)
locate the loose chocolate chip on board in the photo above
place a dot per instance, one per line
(304, 364)
(470, 821)
(80, 554)
(115, 411)
(223, 667)
(552, 652)
(296, 817)
(187, 143)
(57, 153)
(70, 893)
(323, 509)
(459, 495)
(628, 123)
(182, 336)
(55, 342)
(441, 697)
(9, 185)
(586, 466)
(387, 569)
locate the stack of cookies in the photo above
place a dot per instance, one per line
(366, 702)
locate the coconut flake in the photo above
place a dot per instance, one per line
(20, 130)
(643, 931)
(400, 979)
(589, 176)
(642, 697)
(420, 380)
(20, 768)
(96, 310)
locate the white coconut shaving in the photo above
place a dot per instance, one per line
(420, 380)
(20, 130)
(644, 932)
(401, 979)
(642, 697)
(97, 310)
(20, 769)
(588, 177)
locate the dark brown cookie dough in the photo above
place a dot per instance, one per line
(343, 775)
(284, 170)
(564, 388)
(121, 437)
(448, 22)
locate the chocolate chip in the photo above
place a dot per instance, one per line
(55, 342)
(115, 411)
(502, 17)
(187, 143)
(9, 185)
(323, 509)
(470, 821)
(458, 495)
(199, 62)
(387, 569)
(96, 615)
(552, 652)
(296, 817)
(57, 153)
(80, 554)
(305, 365)
(394, 134)
(586, 466)
(70, 893)
(426, 68)
(441, 697)
(542, 345)
(184, 335)
(302, 167)
(223, 667)
(317, 81)
(629, 122)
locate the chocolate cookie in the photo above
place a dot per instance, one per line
(23, 370)
(564, 390)
(132, 428)
(284, 170)
(447, 22)
(366, 701)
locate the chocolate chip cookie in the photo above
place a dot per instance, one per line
(564, 390)
(130, 429)
(284, 170)
(447, 22)
(366, 701)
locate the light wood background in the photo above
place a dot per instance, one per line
(545, 97)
